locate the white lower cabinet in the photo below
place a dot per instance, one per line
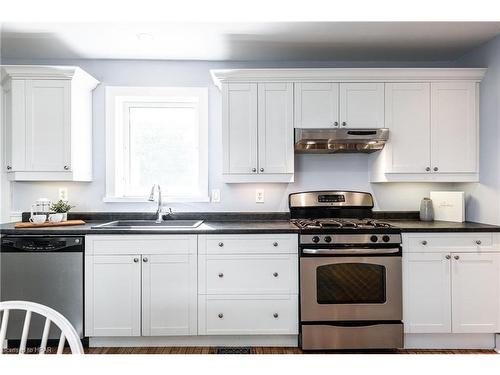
(248, 284)
(150, 293)
(453, 289)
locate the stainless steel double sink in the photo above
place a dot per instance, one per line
(150, 224)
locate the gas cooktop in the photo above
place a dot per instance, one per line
(341, 223)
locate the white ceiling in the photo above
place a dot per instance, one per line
(389, 41)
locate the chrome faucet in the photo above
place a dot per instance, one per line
(159, 218)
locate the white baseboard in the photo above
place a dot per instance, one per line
(450, 341)
(261, 340)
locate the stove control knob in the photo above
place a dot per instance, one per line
(374, 238)
(315, 239)
(386, 238)
(328, 239)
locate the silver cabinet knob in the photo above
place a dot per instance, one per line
(221, 244)
(136, 260)
(456, 257)
(344, 123)
(275, 274)
(428, 169)
(66, 167)
(424, 242)
(221, 275)
(254, 169)
(478, 242)
(275, 315)
(336, 123)
(9, 167)
(221, 315)
(275, 244)
(262, 169)
(436, 169)
(145, 259)
(448, 256)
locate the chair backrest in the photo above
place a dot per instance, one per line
(51, 316)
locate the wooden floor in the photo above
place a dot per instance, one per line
(268, 350)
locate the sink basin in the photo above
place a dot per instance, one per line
(150, 224)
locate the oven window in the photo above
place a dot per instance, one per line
(350, 283)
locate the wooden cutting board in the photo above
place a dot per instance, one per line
(49, 224)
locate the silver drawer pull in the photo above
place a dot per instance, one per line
(478, 242)
(275, 244)
(136, 260)
(456, 257)
(221, 315)
(448, 256)
(275, 274)
(424, 242)
(145, 260)
(221, 275)
(221, 244)
(275, 315)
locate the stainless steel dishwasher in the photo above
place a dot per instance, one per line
(46, 270)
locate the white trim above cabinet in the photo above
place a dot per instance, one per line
(48, 122)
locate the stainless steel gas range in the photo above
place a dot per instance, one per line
(350, 273)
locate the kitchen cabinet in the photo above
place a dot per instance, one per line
(337, 105)
(258, 132)
(48, 123)
(433, 133)
(152, 292)
(248, 284)
(450, 289)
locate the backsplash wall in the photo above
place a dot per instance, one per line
(312, 172)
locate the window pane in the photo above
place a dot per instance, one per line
(164, 149)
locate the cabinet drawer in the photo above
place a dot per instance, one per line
(248, 315)
(248, 274)
(248, 244)
(140, 244)
(453, 242)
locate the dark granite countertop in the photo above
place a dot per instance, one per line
(441, 226)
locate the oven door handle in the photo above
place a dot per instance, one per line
(353, 251)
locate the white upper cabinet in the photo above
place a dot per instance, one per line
(454, 127)
(48, 123)
(362, 105)
(316, 105)
(407, 115)
(434, 133)
(337, 105)
(258, 132)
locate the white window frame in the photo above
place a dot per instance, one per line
(118, 99)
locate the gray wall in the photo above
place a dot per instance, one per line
(312, 171)
(483, 203)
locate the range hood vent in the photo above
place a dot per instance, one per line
(331, 141)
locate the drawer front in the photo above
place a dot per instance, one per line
(248, 244)
(453, 242)
(140, 244)
(248, 274)
(249, 315)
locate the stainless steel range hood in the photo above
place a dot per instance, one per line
(330, 141)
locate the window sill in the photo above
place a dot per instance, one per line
(165, 200)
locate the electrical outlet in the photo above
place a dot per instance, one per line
(215, 195)
(63, 193)
(259, 196)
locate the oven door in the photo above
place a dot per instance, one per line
(349, 288)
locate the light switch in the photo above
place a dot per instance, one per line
(259, 196)
(215, 195)
(63, 193)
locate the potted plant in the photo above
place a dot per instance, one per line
(61, 207)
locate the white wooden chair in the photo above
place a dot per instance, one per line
(51, 316)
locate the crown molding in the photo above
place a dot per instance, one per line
(221, 76)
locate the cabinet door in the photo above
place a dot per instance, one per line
(316, 105)
(475, 292)
(407, 115)
(454, 129)
(169, 295)
(240, 128)
(113, 295)
(14, 105)
(427, 293)
(275, 129)
(362, 105)
(48, 125)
